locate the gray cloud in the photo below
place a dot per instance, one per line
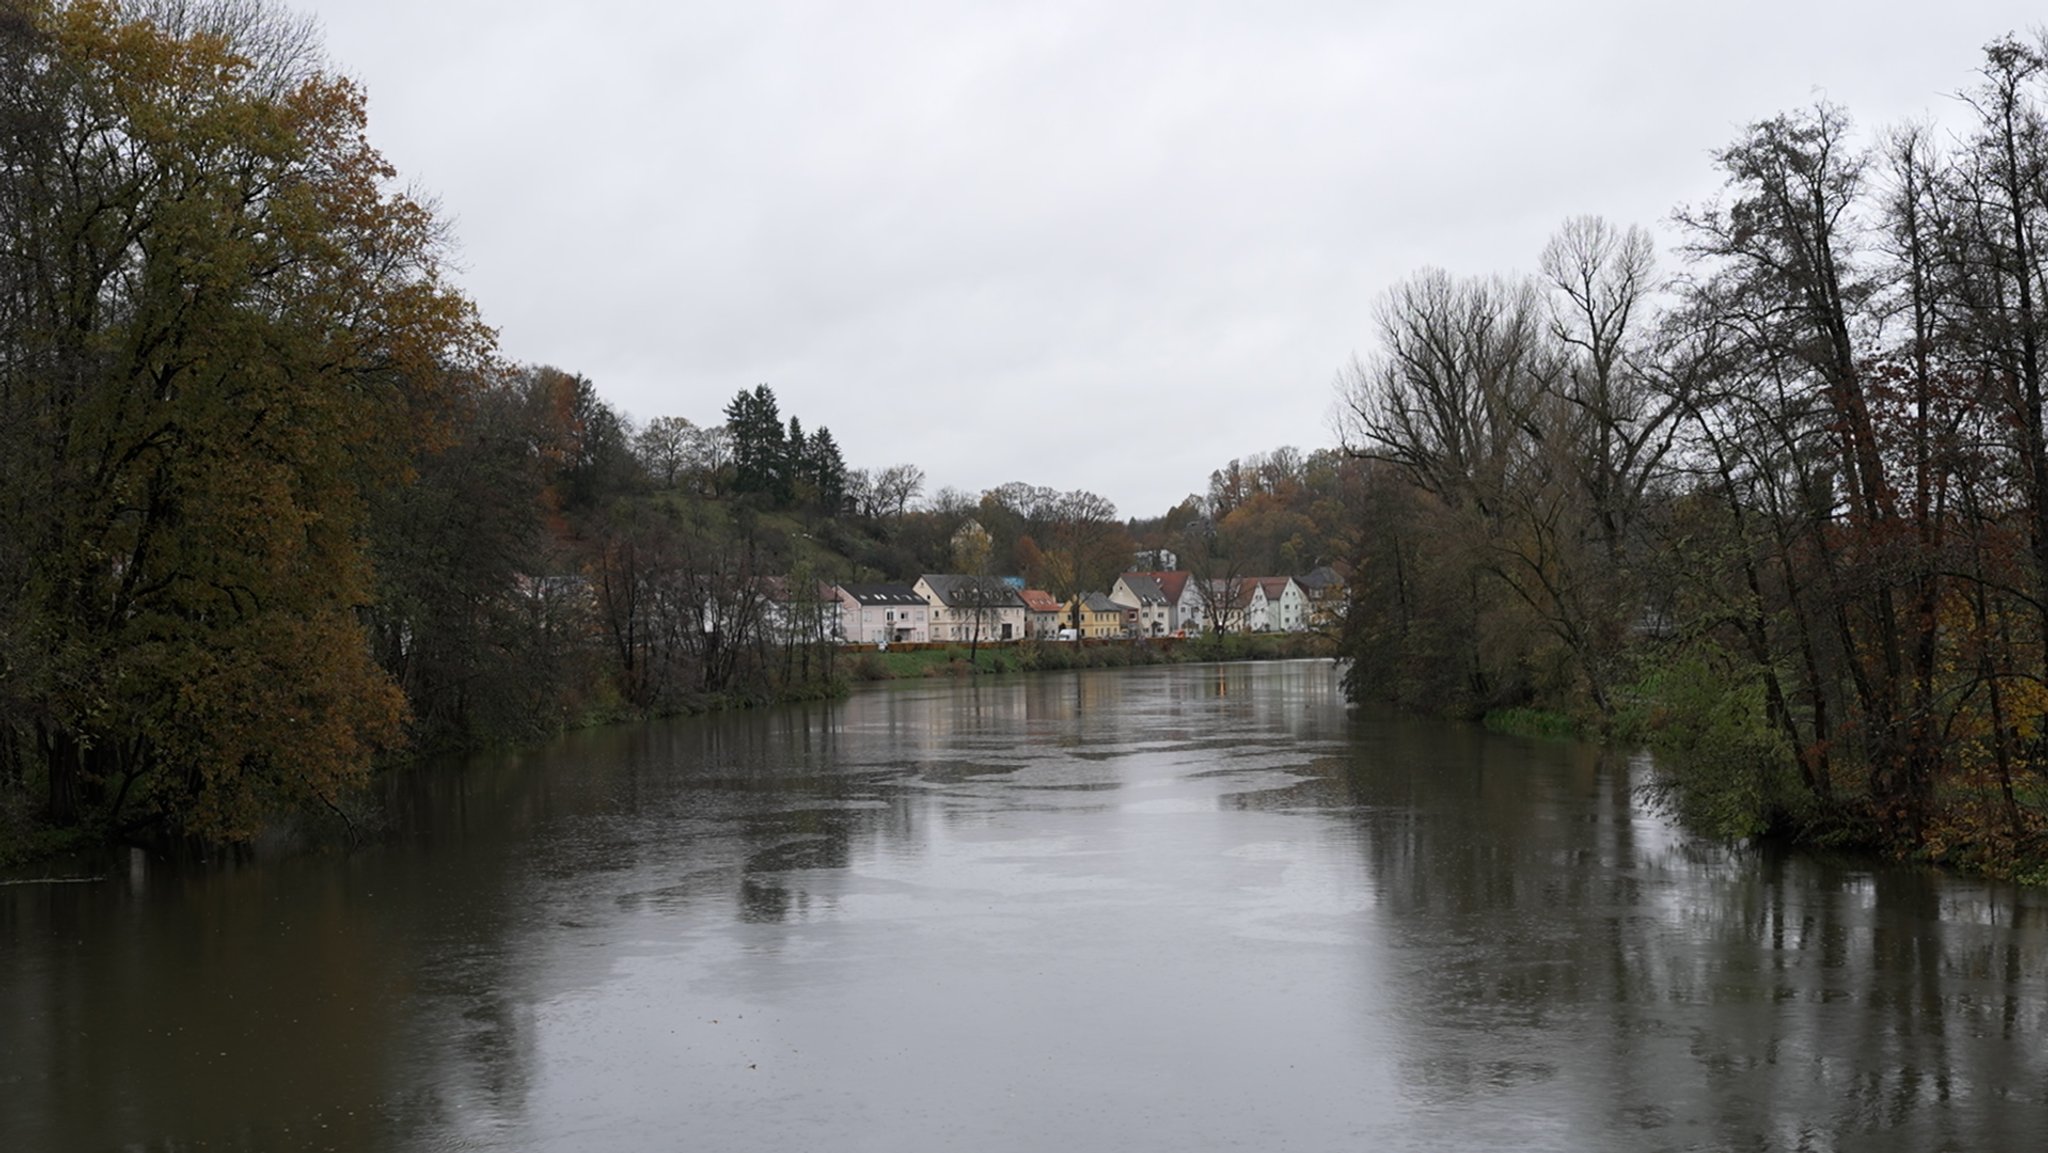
(1085, 245)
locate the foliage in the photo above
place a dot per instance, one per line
(784, 465)
(1804, 484)
(1531, 722)
(270, 509)
(1727, 768)
(220, 335)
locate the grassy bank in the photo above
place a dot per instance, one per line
(1049, 656)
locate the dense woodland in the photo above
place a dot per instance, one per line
(274, 512)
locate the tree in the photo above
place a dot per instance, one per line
(222, 333)
(2001, 269)
(975, 593)
(1216, 570)
(664, 447)
(1804, 507)
(586, 444)
(1601, 279)
(1083, 545)
(826, 473)
(793, 473)
(897, 488)
(474, 617)
(1457, 400)
(1451, 395)
(759, 452)
(709, 460)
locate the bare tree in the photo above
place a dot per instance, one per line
(1081, 548)
(664, 447)
(897, 488)
(1451, 395)
(1216, 570)
(971, 593)
(1602, 279)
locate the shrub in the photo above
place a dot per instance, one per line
(1727, 771)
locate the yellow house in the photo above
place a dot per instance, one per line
(1100, 616)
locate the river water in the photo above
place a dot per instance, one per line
(1200, 907)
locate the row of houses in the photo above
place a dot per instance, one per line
(956, 608)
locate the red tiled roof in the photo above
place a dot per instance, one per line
(1173, 584)
(1040, 601)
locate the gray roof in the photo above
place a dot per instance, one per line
(1322, 576)
(882, 594)
(956, 590)
(1144, 587)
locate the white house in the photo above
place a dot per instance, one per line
(1179, 593)
(1151, 613)
(883, 614)
(965, 609)
(1276, 605)
(1217, 605)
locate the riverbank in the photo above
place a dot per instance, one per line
(1052, 656)
(1727, 775)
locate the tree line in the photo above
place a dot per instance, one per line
(272, 509)
(274, 512)
(1786, 509)
(220, 333)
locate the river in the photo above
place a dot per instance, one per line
(1193, 907)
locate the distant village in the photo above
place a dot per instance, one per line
(958, 608)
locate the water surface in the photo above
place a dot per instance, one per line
(1176, 908)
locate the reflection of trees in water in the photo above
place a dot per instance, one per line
(395, 994)
(1558, 959)
(228, 1006)
(1569, 952)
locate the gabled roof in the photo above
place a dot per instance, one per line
(1276, 587)
(1145, 587)
(1320, 577)
(1172, 584)
(782, 591)
(956, 590)
(882, 594)
(1227, 593)
(1097, 603)
(1040, 601)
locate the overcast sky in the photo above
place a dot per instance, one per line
(1086, 245)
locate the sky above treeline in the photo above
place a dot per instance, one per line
(1088, 245)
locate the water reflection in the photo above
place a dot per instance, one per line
(1173, 908)
(1583, 970)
